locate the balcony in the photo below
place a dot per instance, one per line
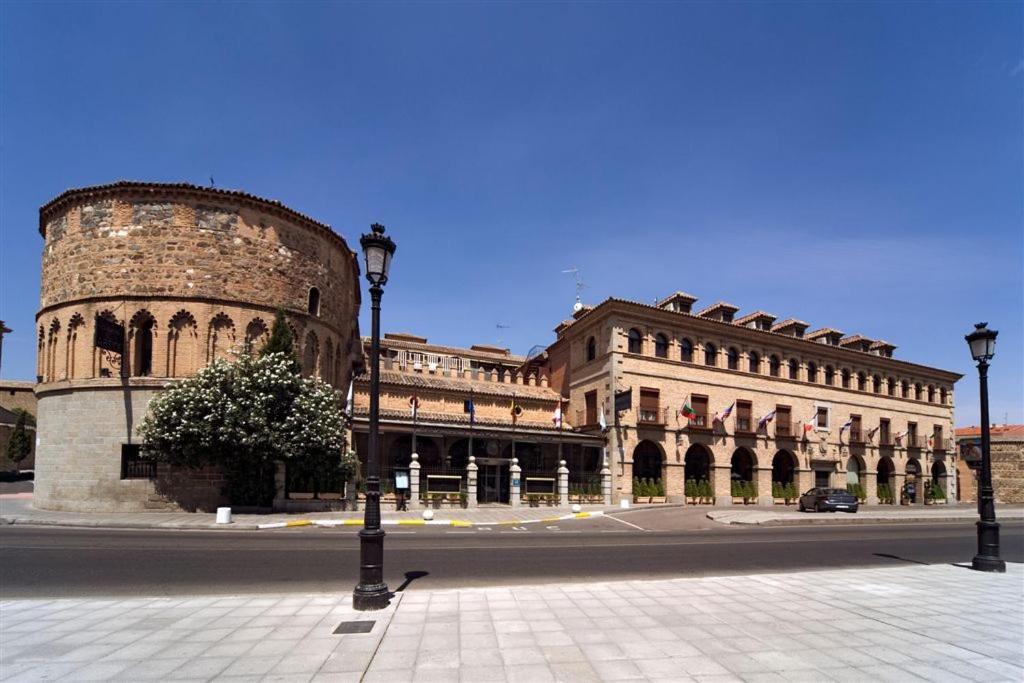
(744, 425)
(857, 435)
(651, 417)
(787, 430)
(885, 440)
(915, 441)
(700, 423)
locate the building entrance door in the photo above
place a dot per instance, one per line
(492, 486)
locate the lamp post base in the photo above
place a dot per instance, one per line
(987, 559)
(370, 598)
(372, 592)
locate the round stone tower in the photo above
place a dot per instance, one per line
(182, 275)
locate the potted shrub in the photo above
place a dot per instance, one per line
(884, 494)
(750, 493)
(938, 493)
(532, 499)
(705, 494)
(790, 493)
(464, 499)
(690, 491)
(778, 493)
(435, 500)
(658, 491)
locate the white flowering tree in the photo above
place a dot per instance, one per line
(246, 416)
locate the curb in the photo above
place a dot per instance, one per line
(427, 522)
(840, 521)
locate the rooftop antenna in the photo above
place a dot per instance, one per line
(578, 306)
(500, 327)
(211, 181)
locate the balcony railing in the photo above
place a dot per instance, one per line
(938, 443)
(744, 425)
(785, 429)
(915, 441)
(700, 423)
(885, 439)
(857, 435)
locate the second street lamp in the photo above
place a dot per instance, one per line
(983, 347)
(372, 593)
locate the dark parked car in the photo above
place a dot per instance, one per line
(831, 500)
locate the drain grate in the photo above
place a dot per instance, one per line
(354, 627)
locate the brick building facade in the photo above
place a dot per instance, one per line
(1006, 449)
(814, 409)
(191, 274)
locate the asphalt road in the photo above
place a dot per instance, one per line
(54, 562)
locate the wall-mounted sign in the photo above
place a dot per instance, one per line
(109, 335)
(623, 400)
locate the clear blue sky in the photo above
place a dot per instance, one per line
(856, 165)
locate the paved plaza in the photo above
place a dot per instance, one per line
(905, 623)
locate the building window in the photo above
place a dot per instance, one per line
(754, 362)
(773, 365)
(876, 384)
(862, 382)
(636, 341)
(314, 301)
(905, 389)
(855, 433)
(649, 412)
(812, 373)
(591, 401)
(794, 369)
(710, 354)
(822, 417)
(134, 465)
(660, 345)
(700, 406)
(830, 375)
(912, 435)
(931, 394)
(743, 417)
(943, 398)
(591, 349)
(143, 349)
(733, 358)
(937, 443)
(686, 350)
(917, 392)
(884, 433)
(784, 421)
(845, 375)
(891, 385)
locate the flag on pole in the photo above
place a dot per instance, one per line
(687, 411)
(557, 416)
(348, 401)
(809, 424)
(899, 437)
(931, 441)
(414, 406)
(766, 419)
(872, 432)
(467, 407)
(724, 415)
(601, 420)
(849, 423)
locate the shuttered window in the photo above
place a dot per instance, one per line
(743, 411)
(649, 405)
(700, 406)
(783, 421)
(591, 398)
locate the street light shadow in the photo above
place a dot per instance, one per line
(897, 557)
(409, 578)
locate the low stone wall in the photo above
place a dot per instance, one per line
(82, 427)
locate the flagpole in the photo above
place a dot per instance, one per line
(513, 413)
(415, 418)
(472, 419)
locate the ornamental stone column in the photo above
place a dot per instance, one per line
(414, 483)
(606, 483)
(722, 476)
(514, 471)
(764, 487)
(563, 484)
(471, 470)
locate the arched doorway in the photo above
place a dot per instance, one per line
(698, 463)
(784, 468)
(939, 478)
(743, 463)
(647, 461)
(885, 480)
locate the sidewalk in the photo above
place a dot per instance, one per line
(905, 623)
(866, 515)
(19, 510)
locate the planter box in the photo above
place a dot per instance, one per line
(658, 499)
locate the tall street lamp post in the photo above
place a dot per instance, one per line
(372, 593)
(983, 347)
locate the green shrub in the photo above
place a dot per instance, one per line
(736, 489)
(690, 488)
(777, 489)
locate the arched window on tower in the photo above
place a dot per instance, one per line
(660, 345)
(794, 369)
(733, 358)
(636, 341)
(314, 301)
(686, 350)
(812, 373)
(774, 364)
(710, 354)
(753, 362)
(591, 349)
